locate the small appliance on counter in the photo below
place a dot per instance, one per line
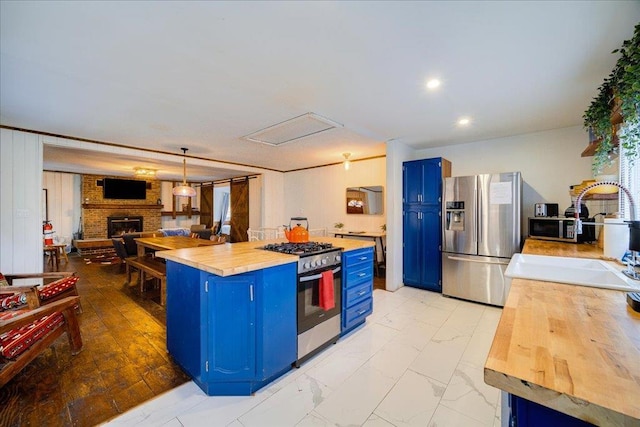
(570, 212)
(546, 209)
(561, 229)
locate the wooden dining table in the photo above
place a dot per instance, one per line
(170, 242)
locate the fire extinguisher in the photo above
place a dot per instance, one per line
(47, 231)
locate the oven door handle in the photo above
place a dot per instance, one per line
(316, 276)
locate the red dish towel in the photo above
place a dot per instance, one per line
(327, 301)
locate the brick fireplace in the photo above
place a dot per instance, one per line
(96, 209)
(118, 225)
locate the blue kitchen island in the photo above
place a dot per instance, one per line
(231, 313)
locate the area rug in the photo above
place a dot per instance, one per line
(103, 260)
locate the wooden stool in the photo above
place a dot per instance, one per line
(55, 251)
(54, 257)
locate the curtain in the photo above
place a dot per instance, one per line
(223, 211)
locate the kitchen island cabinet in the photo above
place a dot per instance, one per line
(233, 334)
(231, 312)
(571, 349)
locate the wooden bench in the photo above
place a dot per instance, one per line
(152, 267)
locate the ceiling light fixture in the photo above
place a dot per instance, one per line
(465, 121)
(433, 83)
(144, 172)
(184, 189)
(347, 163)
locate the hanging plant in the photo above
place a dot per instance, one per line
(622, 84)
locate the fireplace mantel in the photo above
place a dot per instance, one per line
(112, 206)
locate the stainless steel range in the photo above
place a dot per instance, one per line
(317, 327)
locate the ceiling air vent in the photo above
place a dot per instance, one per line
(292, 129)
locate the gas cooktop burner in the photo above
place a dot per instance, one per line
(307, 248)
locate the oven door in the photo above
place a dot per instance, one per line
(309, 312)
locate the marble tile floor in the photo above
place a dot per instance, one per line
(418, 361)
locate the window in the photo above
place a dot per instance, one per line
(629, 178)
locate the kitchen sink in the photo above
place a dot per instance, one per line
(573, 271)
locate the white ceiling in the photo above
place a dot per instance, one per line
(165, 75)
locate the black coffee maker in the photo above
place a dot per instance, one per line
(588, 230)
(634, 235)
(570, 212)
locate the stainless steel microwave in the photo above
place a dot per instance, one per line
(560, 229)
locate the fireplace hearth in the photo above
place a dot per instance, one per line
(118, 225)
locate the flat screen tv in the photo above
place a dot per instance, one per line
(114, 188)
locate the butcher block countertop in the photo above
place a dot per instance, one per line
(236, 258)
(574, 349)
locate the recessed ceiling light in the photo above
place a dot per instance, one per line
(433, 83)
(464, 121)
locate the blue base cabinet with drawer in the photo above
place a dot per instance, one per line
(525, 413)
(232, 335)
(357, 288)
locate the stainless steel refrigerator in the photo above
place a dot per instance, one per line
(481, 231)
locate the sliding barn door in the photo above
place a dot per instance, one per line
(239, 210)
(206, 205)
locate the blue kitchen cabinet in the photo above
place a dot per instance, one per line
(422, 222)
(524, 413)
(422, 243)
(422, 180)
(231, 336)
(234, 334)
(357, 288)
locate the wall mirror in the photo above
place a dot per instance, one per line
(365, 200)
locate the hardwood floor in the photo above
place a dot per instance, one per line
(123, 363)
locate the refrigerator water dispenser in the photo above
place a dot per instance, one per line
(454, 216)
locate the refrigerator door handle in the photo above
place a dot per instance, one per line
(455, 258)
(479, 213)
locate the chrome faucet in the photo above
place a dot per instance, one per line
(630, 271)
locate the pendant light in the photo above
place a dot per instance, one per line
(184, 189)
(347, 163)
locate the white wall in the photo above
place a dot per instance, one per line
(320, 195)
(397, 153)
(273, 209)
(63, 195)
(21, 237)
(549, 162)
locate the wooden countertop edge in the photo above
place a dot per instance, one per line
(497, 375)
(223, 272)
(275, 258)
(561, 402)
